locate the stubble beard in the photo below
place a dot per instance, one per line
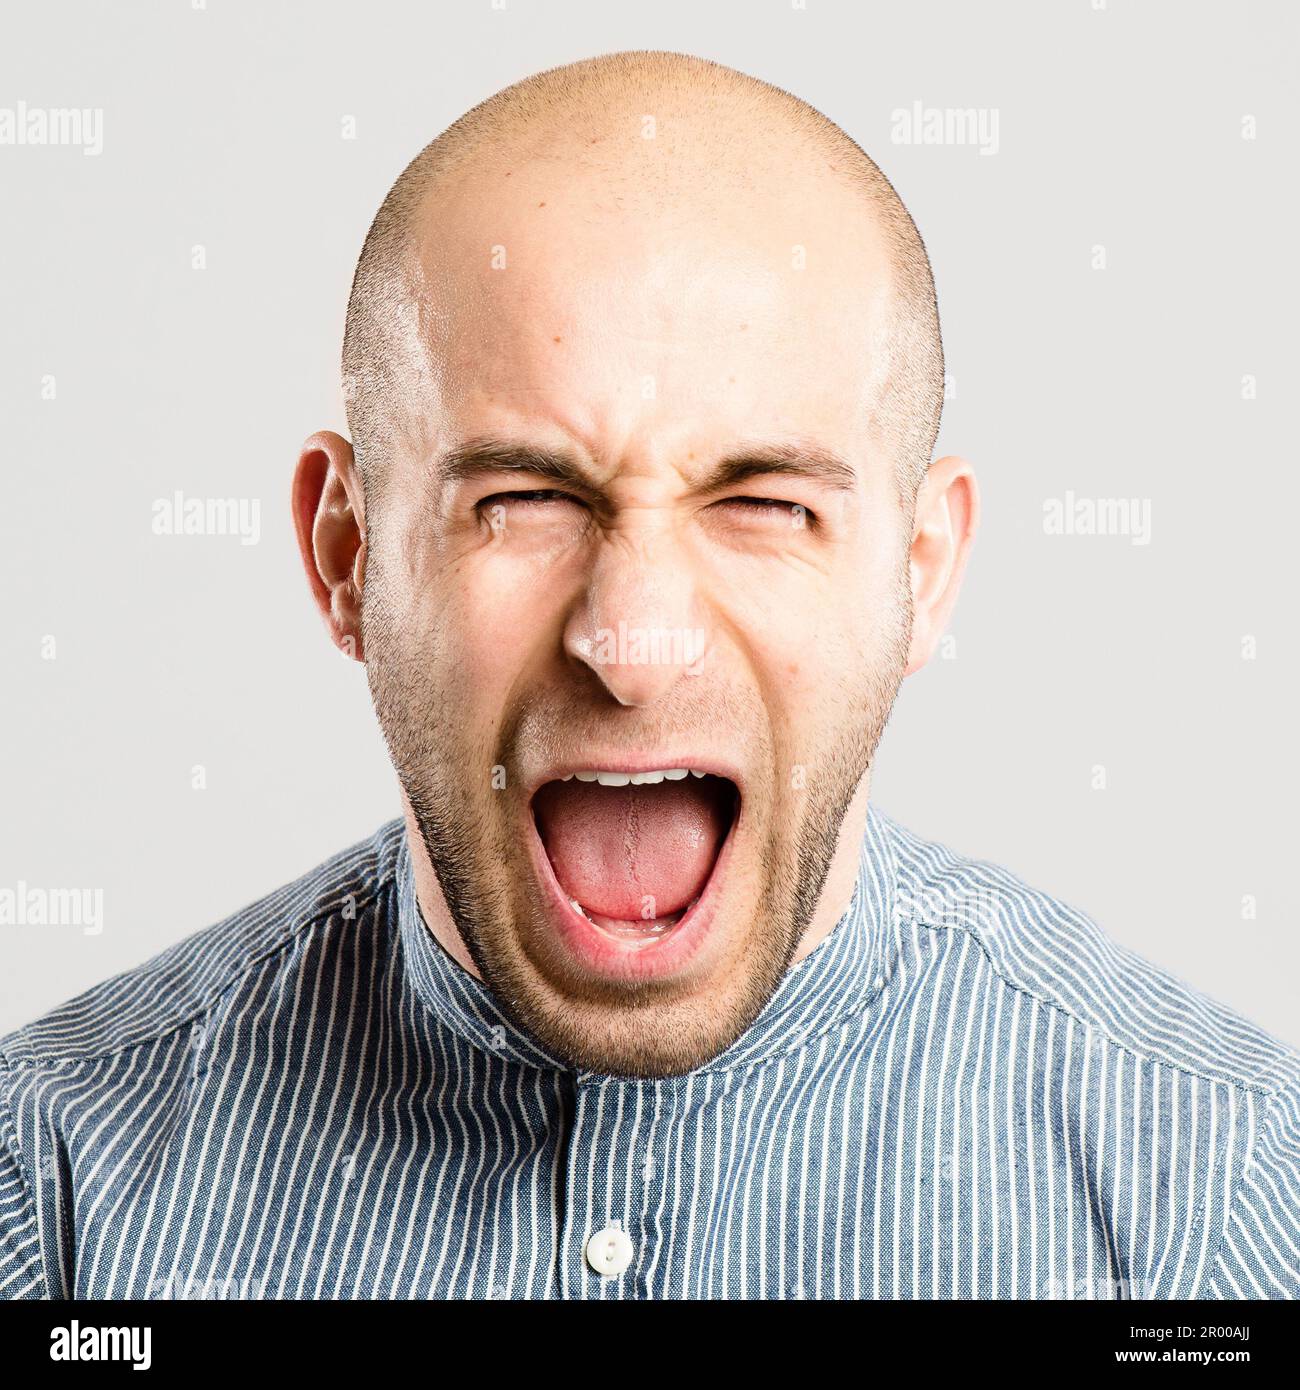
(612, 1028)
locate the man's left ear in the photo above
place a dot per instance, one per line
(329, 517)
(944, 526)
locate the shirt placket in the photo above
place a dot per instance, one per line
(612, 1163)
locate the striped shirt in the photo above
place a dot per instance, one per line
(965, 1090)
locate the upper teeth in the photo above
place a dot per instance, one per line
(637, 779)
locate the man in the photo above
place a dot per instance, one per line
(637, 536)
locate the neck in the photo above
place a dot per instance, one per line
(428, 893)
(837, 891)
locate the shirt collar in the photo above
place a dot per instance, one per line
(834, 982)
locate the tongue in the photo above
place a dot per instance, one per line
(634, 853)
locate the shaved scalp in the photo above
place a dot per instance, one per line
(544, 117)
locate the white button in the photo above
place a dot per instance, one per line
(609, 1252)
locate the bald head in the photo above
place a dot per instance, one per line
(657, 139)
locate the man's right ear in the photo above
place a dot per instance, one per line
(329, 517)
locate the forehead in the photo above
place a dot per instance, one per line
(564, 302)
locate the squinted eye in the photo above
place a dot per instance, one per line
(770, 511)
(537, 497)
(540, 511)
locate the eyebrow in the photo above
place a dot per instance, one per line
(485, 455)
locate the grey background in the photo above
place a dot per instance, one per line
(223, 127)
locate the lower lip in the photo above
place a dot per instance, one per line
(598, 952)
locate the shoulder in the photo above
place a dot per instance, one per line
(1259, 1249)
(186, 981)
(1041, 946)
(1242, 1128)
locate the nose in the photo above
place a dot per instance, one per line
(638, 625)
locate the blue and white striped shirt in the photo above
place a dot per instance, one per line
(965, 1091)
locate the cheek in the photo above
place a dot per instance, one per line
(816, 647)
(490, 616)
(802, 621)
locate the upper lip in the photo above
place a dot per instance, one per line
(593, 760)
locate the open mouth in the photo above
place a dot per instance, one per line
(634, 852)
